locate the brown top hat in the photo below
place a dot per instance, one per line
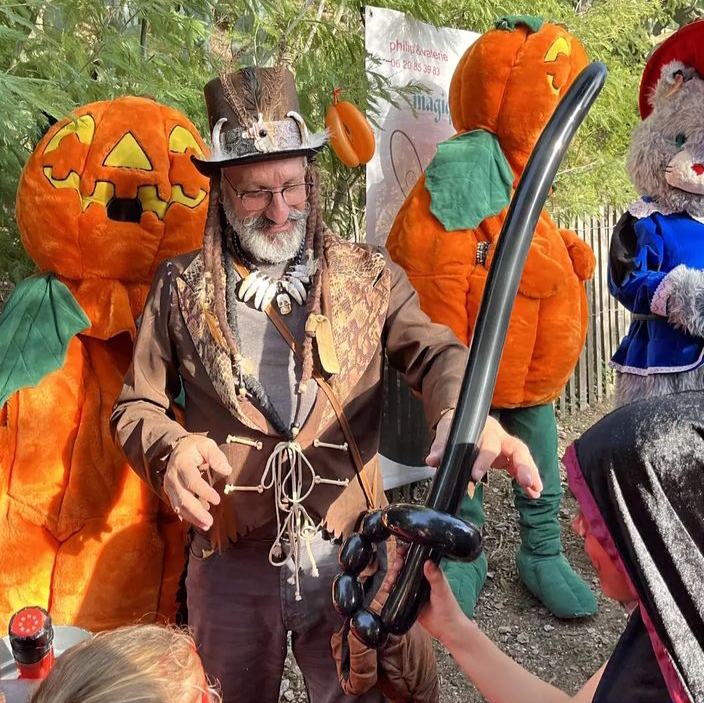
(253, 116)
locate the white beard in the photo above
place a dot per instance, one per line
(267, 247)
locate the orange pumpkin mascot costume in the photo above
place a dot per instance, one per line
(503, 91)
(107, 195)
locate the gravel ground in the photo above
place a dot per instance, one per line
(565, 653)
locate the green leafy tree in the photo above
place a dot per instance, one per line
(55, 56)
(59, 54)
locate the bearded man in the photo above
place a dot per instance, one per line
(277, 332)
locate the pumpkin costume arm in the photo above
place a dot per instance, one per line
(548, 262)
(581, 254)
(438, 263)
(141, 422)
(39, 320)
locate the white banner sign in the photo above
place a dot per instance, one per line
(408, 51)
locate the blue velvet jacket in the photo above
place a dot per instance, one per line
(643, 251)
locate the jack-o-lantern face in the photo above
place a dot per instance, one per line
(510, 81)
(111, 192)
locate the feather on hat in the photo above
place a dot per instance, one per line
(253, 115)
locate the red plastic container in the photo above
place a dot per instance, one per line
(31, 635)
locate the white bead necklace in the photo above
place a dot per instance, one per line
(262, 289)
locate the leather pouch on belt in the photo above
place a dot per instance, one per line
(404, 669)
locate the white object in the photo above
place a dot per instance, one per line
(405, 50)
(396, 474)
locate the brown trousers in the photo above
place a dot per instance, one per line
(240, 609)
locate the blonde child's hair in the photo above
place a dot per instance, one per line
(133, 664)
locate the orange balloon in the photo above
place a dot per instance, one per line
(351, 135)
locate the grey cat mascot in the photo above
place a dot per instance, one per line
(656, 265)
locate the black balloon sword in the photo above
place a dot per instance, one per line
(432, 529)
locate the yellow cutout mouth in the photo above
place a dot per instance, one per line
(148, 197)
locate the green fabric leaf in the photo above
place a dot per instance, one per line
(39, 320)
(468, 180)
(512, 21)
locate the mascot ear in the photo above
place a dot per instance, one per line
(672, 77)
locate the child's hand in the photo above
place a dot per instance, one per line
(442, 614)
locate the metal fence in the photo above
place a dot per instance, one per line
(592, 380)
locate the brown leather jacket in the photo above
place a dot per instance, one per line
(373, 311)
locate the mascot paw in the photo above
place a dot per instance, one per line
(581, 255)
(680, 297)
(466, 580)
(553, 582)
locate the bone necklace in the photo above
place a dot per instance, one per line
(262, 289)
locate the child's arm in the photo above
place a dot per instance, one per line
(498, 677)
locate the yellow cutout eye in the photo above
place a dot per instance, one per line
(83, 127)
(181, 139)
(128, 154)
(558, 47)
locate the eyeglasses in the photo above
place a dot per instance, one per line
(253, 200)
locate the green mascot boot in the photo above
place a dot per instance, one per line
(466, 579)
(540, 560)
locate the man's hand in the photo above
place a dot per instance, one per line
(185, 484)
(497, 449)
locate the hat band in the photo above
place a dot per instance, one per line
(263, 137)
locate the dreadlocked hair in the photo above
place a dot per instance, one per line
(315, 239)
(213, 265)
(213, 234)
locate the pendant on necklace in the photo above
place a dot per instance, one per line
(283, 302)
